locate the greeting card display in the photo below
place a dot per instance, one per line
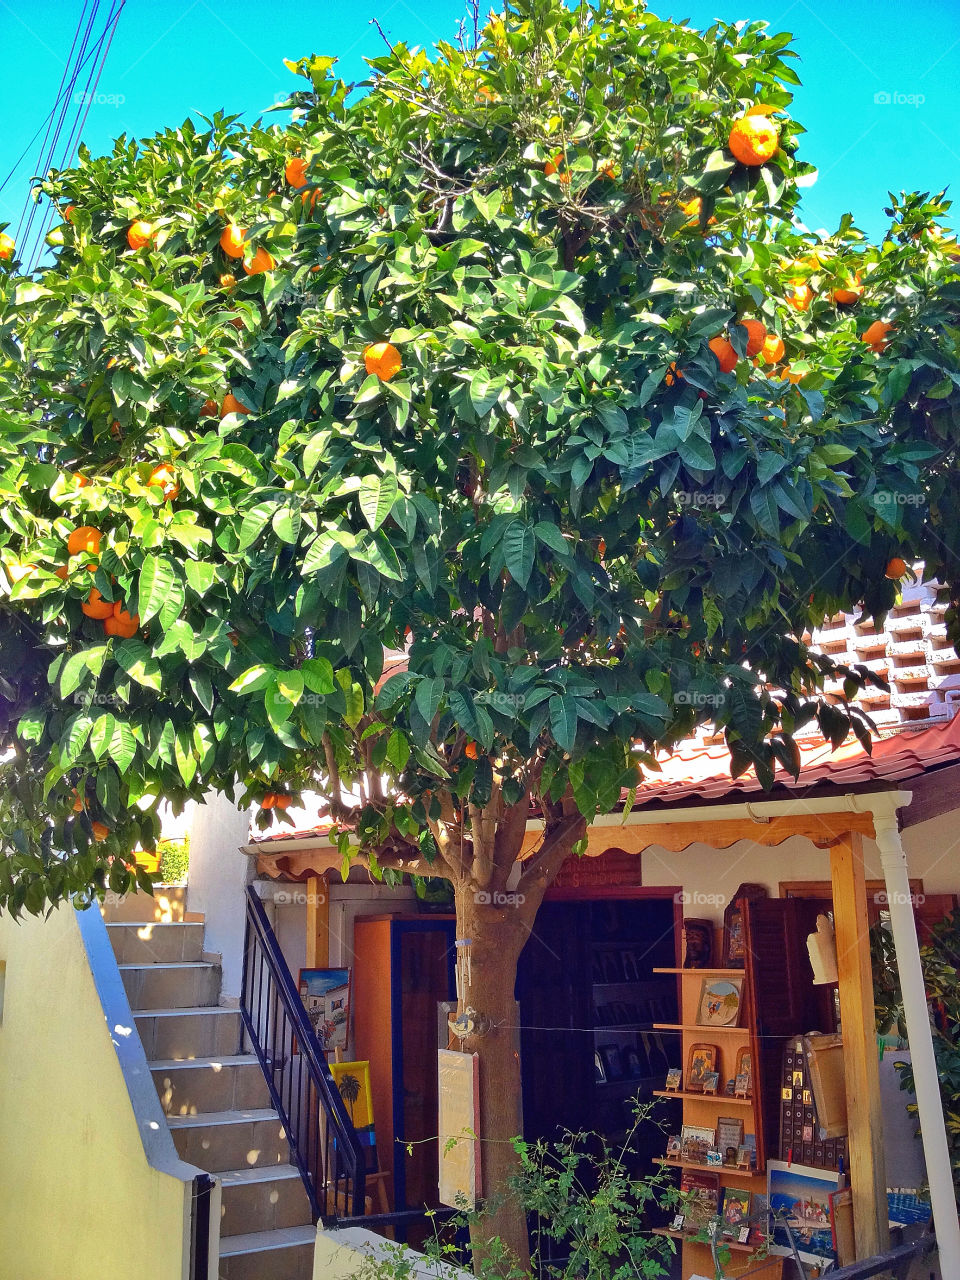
(701, 1190)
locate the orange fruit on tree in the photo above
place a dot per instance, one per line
(799, 296)
(62, 572)
(260, 262)
(296, 171)
(100, 830)
(875, 335)
(122, 623)
(228, 281)
(209, 409)
(470, 751)
(96, 607)
(756, 336)
(790, 376)
(77, 803)
(723, 350)
(234, 638)
(564, 178)
(139, 233)
(772, 349)
(268, 801)
(673, 374)
(115, 430)
(7, 246)
(282, 801)
(231, 242)
(607, 170)
(310, 198)
(85, 538)
(848, 293)
(383, 359)
(68, 213)
(486, 92)
(232, 405)
(896, 569)
(553, 166)
(165, 476)
(754, 139)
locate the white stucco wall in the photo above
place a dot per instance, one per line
(219, 875)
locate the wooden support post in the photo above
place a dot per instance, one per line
(868, 1179)
(318, 923)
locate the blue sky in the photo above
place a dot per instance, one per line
(174, 57)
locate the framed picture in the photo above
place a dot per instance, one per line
(674, 1082)
(632, 1066)
(734, 941)
(353, 1082)
(697, 944)
(745, 1065)
(702, 1058)
(695, 1141)
(743, 1156)
(714, 1158)
(673, 1147)
(735, 1213)
(711, 1081)
(326, 997)
(719, 1004)
(612, 1062)
(729, 1134)
(799, 1195)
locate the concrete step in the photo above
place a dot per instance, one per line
(153, 942)
(262, 1199)
(250, 1138)
(184, 985)
(222, 1083)
(163, 905)
(189, 1033)
(269, 1255)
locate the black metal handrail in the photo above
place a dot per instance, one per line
(895, 1262)
(323, 1142)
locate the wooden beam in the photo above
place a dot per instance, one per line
(318, 923)
(868, 1178)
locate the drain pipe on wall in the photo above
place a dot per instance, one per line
(903, 925)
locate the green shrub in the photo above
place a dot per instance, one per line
(174, 860)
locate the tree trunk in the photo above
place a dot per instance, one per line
(497, 931)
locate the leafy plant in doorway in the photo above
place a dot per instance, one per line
(940, 959)
(174, 860)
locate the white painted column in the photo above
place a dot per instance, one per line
(916, 1015)
(218, 879)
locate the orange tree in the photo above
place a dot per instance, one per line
(520, 361)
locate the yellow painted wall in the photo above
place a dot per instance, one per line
(78, 1200)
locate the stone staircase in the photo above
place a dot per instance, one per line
(214, 1094)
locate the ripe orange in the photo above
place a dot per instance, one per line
(754, 139)
(756, 336)
(122, 623)
(282, 801)
(81, 479)
(607, 170)
(799, 296)
(78, 803)
(96, 607)
(383, 359)
(228, 281)
(165, 476)
(139, 233)
(790, 375)
(260, 262)
(232, 405)
(100, 830)
(62, 573)
(85, 538)
(673, 374)
(896, 569)
(268, 801)
(209, 409)
(7, 246)
(68, 213)
(115, 430)
(876, 335)
(233, 638)
(486, 92)
(564, 178)
(553, 166)
(849, 292)
(772, 349)
(296, 172)
(726, 356)
(470, 751)
(310, 198)
(231, 242)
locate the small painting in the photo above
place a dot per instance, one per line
(711, 1081)
(673, 1147)
(734, 938)
(326, 997)
(697, 944)
(674, 1081)
(719, 1004)
(745, 1065)
(353, 1082)
(736, 1211)
(695, 1141)
(799, 1197)
(702, 1059)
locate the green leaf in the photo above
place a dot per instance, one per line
(318, 675)
(157, 578)
(253, 523)
(101, 735)
(286, 524)
(201, 575)
(254, 678)
(376, 497)
(518, 548)
(74, 669)
(353, 695)
(563, 721)
(138, 662)
(551, 537)
(427, 697)
(123, 746)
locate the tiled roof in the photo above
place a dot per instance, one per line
(697, 772)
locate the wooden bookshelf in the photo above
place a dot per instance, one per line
(704, 1097)
(725, 1242)
(732, 1170)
